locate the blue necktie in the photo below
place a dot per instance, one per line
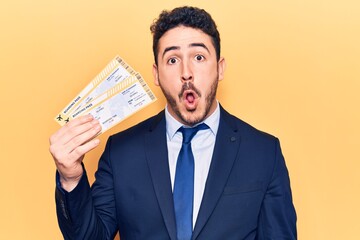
(184, 184)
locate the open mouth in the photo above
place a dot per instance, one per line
(190, 98)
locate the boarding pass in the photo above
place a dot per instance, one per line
(117, 92)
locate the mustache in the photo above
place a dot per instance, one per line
(189, 86)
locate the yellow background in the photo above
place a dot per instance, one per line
(293, 70)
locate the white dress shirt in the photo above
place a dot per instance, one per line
(202, 146)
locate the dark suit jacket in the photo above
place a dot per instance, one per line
(247, 193)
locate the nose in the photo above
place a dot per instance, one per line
(186, 74)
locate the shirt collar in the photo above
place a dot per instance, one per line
(172, 125)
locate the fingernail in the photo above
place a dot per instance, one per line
(97, 127)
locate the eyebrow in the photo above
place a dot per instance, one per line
(199, 45)
(170, 49)
(190, 45)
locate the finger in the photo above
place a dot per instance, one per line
(81, 150)
(77, 133)
(62, 152)
(73, 123)
(72, 129)
(81, 138)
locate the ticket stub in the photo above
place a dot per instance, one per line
(128, 101)
(115, 94)
(86, 107)
(116, 71)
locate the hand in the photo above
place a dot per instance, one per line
(69, 145)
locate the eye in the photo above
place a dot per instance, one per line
(199, 58)
(172, 61)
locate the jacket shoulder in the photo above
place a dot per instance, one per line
(245, 129)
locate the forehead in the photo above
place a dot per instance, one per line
(184, 36)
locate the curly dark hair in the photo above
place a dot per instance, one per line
(185, 16)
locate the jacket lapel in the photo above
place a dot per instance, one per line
(225, 151)
(157, 158)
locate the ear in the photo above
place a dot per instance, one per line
(221, 68)
(155, 74)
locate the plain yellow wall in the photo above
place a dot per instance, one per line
(293, 70)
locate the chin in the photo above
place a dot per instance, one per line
(192, 117)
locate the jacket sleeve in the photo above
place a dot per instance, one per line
(88, 213)
(277, 219)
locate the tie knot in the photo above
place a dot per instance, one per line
(189, 133)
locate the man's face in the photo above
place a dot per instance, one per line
(188, 73)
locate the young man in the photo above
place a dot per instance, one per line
(228, 182)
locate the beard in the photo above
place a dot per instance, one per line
(191, 118)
